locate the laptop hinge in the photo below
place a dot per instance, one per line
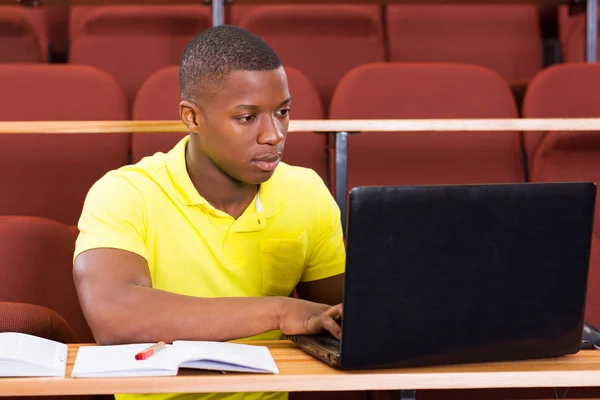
(404, 395)
(408, 395)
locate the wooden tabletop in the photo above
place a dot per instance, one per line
(301, 372)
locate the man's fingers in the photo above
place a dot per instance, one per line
(336, 312)
(332, 326)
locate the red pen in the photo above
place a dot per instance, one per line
(149, 351)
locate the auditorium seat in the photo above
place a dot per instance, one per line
(503, 37)
(159, 98)
(324, 41)
(48, 175)
(572, 33)
(429, 91)
(565, 91)
(23, 35)
(35, 320)
(36, 268)
(38, 321)
(132, 41)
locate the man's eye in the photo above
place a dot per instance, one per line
(283, 112)
(246, 118)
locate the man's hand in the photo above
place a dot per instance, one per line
(300, 317)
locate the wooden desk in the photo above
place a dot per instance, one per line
(301, 372)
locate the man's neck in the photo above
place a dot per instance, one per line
(217, 188)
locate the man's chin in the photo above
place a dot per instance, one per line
(257, 178)
(264, 176)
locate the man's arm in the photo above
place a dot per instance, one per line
(120, 305)
(326, 291)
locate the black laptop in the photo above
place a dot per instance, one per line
(462, 274)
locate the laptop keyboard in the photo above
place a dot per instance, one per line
(328, 340)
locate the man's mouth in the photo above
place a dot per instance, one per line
(267, 163)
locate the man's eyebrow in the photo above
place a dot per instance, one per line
(285, 102)
(252, 107)
(249, 107)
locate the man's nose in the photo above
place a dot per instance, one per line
(271, 132)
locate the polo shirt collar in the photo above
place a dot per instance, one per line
(268, 199)
(187, 194)
(184, 188)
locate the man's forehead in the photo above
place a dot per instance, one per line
(253, 87)
(261, 79)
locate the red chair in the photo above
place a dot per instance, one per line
(572, 33)
(131, 42)
(36, 268)
(35, 320)
(565, 91)
(427, 90)
(23, 35)
(49, 175)
(159, 98)
(505, 38)
(323, 41)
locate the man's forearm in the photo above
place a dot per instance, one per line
(140, 314)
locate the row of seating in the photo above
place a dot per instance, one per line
(37, 296)
(49, 174)
(132, 42)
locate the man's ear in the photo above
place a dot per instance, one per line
(190, 115)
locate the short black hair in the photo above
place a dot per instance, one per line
(210, 56)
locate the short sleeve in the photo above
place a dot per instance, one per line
(113, 216)
(327, 255)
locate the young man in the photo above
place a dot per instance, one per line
(208, 241)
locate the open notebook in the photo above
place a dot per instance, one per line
(119, 360)
(26, 355)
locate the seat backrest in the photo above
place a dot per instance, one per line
(505, 38)
(36, 268)
(565, 91)
(35, 320)
(572, 33)
(131, 42)
(49, 175)
(159, 98)
(427, 90)
(561, 91)
(323, 41)
(23, 35)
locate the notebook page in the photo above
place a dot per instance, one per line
(119, 360)
(24, 354)
(220, 366)
(250, 357)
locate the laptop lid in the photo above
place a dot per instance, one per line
(465, 273)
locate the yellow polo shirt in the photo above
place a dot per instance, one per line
(290, 233)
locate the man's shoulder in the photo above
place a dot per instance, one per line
(147, 171)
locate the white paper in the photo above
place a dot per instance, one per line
(26, 355)
(119, 361)
(230, 355)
